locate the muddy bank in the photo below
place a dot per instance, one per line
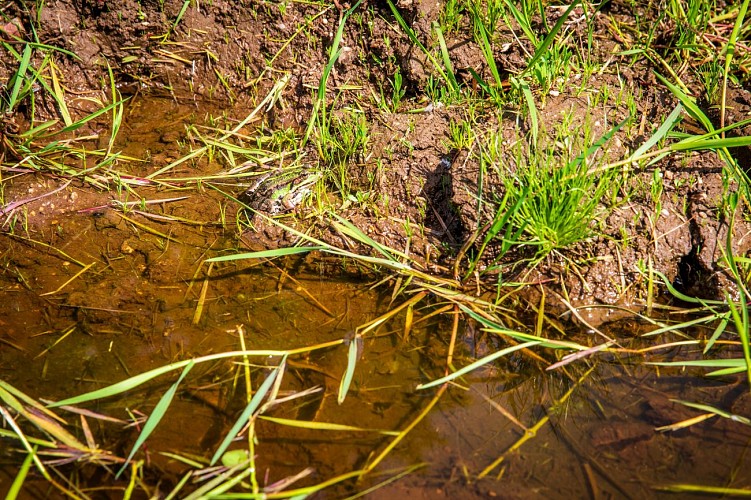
(411, 186)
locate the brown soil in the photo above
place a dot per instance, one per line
(419, 179)
(419, 184)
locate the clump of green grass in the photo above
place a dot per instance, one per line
(558, 204)
(344, 141)
(445, 84)
(47, 145)
(550, 202)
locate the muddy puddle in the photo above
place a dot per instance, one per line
(94, 294)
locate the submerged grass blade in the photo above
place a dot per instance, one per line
(325, 426)
(713, 491)
(532, 431)
(372, 464)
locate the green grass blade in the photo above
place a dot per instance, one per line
(498, 329)
(483, 38)
(543, 48)
(716, 411)
(711, 144)
(120, 387)
(712, 133)
(179, 486)
(156, 416)
(319, 106)
(83, 121)
(523, 21)
(251, 407)
(477, 364)
(10, 400)
(58, 94)
(19, 77)
(729, 53)
(413, 38)
(660, 133)
(446, 59)
(704, 363)
(682, 326)
(117, 112)
(595, 146)
(138, 380)
(530, 100)
(510, 236)
(685, 298)
(352, 355)
(727, 371)
(482, 83)
(688, 102)
(20, 478)
(18, 434)
(721, 326)
(180, 15)
(8, 393)
(202, 493)
(265, 254)
(353, 231)
(740, 318)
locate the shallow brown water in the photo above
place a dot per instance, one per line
(135, 309)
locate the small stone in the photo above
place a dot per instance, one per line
(126, 248)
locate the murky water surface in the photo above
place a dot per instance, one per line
(92, 296)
